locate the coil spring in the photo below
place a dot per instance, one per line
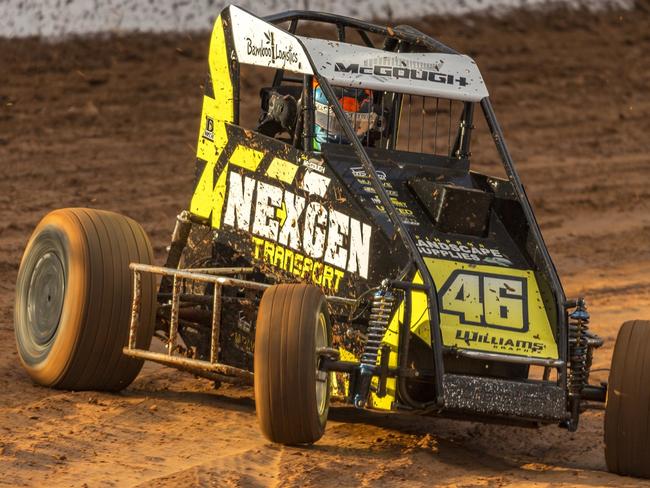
(580, 354)
(380, 312)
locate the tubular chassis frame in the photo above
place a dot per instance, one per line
(414, 37)
(448, 388)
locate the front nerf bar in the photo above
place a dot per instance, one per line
(211, 369)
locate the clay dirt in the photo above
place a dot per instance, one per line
(111, 122)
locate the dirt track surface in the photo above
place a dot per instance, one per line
(111, 124)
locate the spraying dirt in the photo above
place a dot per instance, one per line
(111, 123)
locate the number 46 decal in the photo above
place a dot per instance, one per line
(486, 299)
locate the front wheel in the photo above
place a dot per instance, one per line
(291, 394)
(627, 412)
(73, 300)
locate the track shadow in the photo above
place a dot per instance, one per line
(471, 445)
(458, 444)
(214, 399)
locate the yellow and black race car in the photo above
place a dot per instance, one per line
(336, 245)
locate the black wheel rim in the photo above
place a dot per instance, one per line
(45, 300)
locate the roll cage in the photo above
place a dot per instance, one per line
(294, 57)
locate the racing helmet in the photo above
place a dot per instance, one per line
(358, 106)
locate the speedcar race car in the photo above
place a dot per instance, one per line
(337, 246)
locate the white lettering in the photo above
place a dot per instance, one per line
(314, 183)
(284, 217)
(359, 248)
(240, 195)
(290, 232)
(339, 227)
(265, 225)
(314, 236)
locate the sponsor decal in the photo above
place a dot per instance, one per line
(360, 172)
(406, 214)
(268, 48)
(297, 264)
(399, 72)
(370, 189)
(459, 251)
(488, 308)
(299, 235)
(315, 165)
(208, 133)
(361, 177)
(262, 44)
(499, 343)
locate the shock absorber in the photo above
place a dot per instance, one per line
(579, 350)
(381, 310)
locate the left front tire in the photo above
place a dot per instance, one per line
(73, 300)
(291, 393)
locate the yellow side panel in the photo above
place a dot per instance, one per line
(247, 158)
(220, 74)
(492, 309)
(209, 149)
(204, 198)
(282, 170)
(386, 402)
(341, 383)
(485, 308)
(219, 196)
(419, 318)
(419, 326)
(212, 132)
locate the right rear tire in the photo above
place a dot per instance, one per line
(291, 395)
(73, 300)
(627, 411)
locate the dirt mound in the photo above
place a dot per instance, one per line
(111, 123)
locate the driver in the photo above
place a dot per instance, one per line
(358, 106)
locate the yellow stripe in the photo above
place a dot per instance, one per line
(282, 170)
(220, 74)
(219, 197)
(246, 158)
(207, 198)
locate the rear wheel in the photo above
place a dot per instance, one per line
(627, 412)
(291, 394)
(73, 300)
